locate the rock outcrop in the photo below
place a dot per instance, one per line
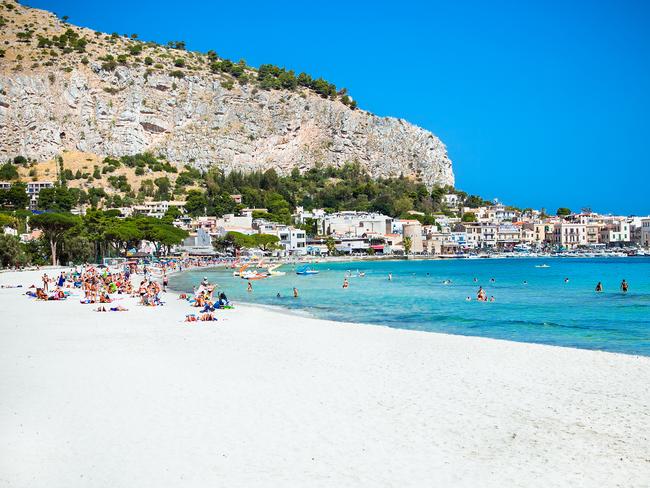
(200, 120)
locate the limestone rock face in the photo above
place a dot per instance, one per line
(190, 120)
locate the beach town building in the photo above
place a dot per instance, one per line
(615, 232)
(292, 240)
(442, 243)
(235, 223)
(527, 234)
(645, 232)
(398, 225)
(198, 243)
(33, 189)
(543, 232)
(451, 201)
(301, 215)
(445, 222)
(508, 235)
(413, 230)
(458, 238)
(593, 233)
(569, 235)
(480, 235)
(500, 213)
(356, 224)
(352, 245)
(636, 229)
(157, 209)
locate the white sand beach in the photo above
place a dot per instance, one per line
(266, 399)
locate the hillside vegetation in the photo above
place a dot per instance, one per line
(30, 42)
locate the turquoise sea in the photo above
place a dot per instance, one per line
(532, 304)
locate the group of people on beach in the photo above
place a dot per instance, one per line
(203, 298)
(100, 285)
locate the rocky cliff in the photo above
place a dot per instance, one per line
(69, 98)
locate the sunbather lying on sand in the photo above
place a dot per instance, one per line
(119, 308)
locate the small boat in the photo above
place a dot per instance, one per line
(273, 272)
(240, 271)
(253, 275)
(542, 266)
(305, 270)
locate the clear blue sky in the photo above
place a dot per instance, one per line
(540, 104)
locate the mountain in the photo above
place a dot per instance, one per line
(67, 88)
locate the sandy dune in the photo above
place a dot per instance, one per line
(266, 399)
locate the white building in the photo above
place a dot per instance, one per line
(292, 240)
(451, 201)
(33, 189)
(508, 235)
(354, 224)
(645, 232)
(480, 235)
(615, 232)
(157, 209)
(301, 215)
(569, 235)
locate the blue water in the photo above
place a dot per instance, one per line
(546, 310)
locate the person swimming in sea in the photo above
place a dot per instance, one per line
(475, 279)
(599, 287)
(390, 276)
(492, 280)
(481, 296)
(468, 299)
(525, 282)
(624, 286)
(345, 283)
(492, 298)
(295, 292)
(250, 286)
(566, 280)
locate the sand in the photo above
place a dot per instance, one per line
(263, 398)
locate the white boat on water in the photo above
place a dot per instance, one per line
(305, 270)
(542, 266)
(273, 270)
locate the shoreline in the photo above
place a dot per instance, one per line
(307, 313)
(254, 399)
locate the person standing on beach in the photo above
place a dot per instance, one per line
(624, 286)
(165, 281)
(599, 287)
(46, 280)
